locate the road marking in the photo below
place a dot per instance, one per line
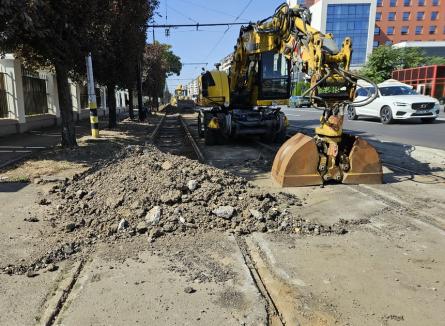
(293, 115)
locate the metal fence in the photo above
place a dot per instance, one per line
(34, 93)
(3, 100)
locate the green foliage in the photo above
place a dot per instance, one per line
(300, 88)
(385, 59)
(159, 63)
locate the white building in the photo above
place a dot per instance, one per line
(192, 89)
(347, 18)
(29, 100)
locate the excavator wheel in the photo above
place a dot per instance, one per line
(297, 163)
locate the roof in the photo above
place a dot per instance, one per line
(421, 44)
(393, 82)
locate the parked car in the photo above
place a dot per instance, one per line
(395, 101)
(299, 102)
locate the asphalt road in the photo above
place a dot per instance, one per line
(404, 132)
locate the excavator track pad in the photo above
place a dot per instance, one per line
(307, 161)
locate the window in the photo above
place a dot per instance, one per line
(421, 2)
(404, 30)
(377, 31)
(435, 2)
(351, 19)
(390, 30)
(391, 16)
(432, 29)
(419, 30)
(378, 16)
(379, 3)
(375, 44)
(420, 15)
(407, 3)
(434, 15)
(406, 15)
(392, 3)
(388, 43)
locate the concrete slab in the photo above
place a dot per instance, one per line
(23, 298)
(363, 278)
(147, 291)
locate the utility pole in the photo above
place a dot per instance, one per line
(92, 103)
(139, 87)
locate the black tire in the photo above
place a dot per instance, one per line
(211, 137)
(200, 128)
(386, 115)
(428, 120)
(351, 113)
(281, 136)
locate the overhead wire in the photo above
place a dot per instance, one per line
(228, 28)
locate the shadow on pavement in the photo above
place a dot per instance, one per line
(12, 186)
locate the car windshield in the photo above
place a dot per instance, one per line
(396, 90)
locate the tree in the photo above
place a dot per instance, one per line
(123, 44)
(50, 33)
(159, 63)
(385, 59)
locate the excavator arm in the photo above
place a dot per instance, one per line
(331, 154)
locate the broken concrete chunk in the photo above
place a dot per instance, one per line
(154, 215)
(256, 214)
(225, 212)
(81, 193)
(167, 165)
(70, 227)
(142, 227)
(123, 224)
(192, 185)
(154, 234)
(189, 290)
(171, 197)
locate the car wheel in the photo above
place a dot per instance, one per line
(386, 115)
(428, 120)
(352, 114)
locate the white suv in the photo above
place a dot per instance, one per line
(395, 101)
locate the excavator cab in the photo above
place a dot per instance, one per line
(274, 77)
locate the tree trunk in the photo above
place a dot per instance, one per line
(139, 86)
(130, 103)
(66, 108)
(156, 104)
(111, 99)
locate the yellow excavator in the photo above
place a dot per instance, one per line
(247, 99)
(181, 100)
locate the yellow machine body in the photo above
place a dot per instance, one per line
(259, 77)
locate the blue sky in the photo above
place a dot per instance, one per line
(209, 44)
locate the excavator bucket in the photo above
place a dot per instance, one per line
(365, 165)
(297, 161)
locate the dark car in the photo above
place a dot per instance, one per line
(299, 102)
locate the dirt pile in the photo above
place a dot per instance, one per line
(146, 191)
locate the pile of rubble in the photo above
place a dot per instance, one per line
(146, 191)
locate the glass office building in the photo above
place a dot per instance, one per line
(350, 20)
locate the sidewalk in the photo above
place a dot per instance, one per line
(16, 147)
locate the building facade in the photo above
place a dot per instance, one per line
(409, 20)
(427, 80)
(347, 18)
(29, 99)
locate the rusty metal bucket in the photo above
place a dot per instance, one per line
(296, 163)
(366, 167)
